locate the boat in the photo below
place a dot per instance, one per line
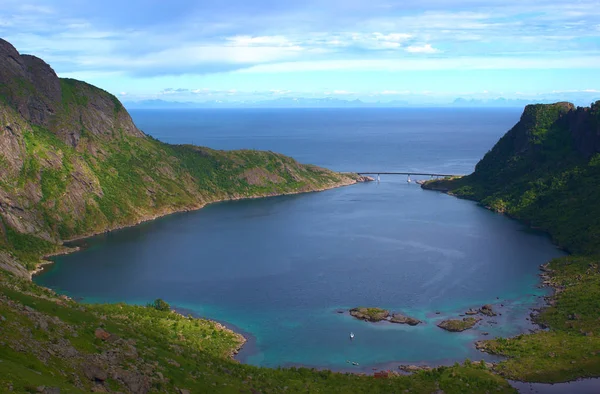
(351, 335)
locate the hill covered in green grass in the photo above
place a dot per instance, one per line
(545, 172)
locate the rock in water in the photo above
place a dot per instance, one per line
(401, 319)
(487, 310)
(457, 325)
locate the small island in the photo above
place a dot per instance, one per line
(377, 314)
(457, 325)
(370, 314)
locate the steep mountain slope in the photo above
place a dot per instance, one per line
(73, 163)
(546, 172)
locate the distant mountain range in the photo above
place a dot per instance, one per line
(329, 102)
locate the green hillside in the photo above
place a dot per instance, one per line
(546, 172)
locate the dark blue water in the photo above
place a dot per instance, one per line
(280, 268)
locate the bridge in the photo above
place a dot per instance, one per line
(430, 174)
(407, 173)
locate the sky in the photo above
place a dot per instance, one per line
(417, 51)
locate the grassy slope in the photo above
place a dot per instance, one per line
(534, 174)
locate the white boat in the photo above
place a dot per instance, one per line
(408, 180)
(351, 335)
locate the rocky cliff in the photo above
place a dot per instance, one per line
(546, 172)
(73, 163)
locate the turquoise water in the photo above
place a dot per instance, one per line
(280, 269)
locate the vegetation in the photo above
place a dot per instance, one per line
(370, 314)
(457, 325)
(160, 305)
(541, 173)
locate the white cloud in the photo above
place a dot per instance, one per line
(393, 92)
(427, 48)
(406, 64)
(269, 41)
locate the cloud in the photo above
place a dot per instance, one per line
(426, 48)
(268, 41)
(190, 37)
(425, 64)
(392, 92)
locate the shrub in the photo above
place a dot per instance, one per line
(160, 305)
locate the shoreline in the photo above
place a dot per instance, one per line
(64, 249)
(544, 281)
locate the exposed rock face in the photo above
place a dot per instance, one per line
(402, 319)
(456, 325)
(17, 74)
(95, 372)
(370, 314)
(32, 87)
(364, 178)
(102, 334)
(584, 126)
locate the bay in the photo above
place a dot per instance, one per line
(281, 268)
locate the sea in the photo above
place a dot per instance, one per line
(284, 271)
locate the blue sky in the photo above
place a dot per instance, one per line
(421, 51)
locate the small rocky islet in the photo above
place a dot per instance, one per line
(459, 325)
(375, 315)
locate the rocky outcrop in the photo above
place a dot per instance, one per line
(66, 107)
(487, 310)
(10, 264)
(402, 319)
(378, 314)
(457, 325)
(364, 178)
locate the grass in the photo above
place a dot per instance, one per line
(571, 349)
